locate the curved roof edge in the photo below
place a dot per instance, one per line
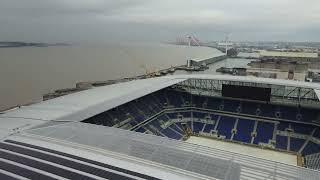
(82, 105)
(281, 82)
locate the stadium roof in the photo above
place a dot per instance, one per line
(288, 54)
(49, 133)
(81, 150)
(82, 105)
(252, 79)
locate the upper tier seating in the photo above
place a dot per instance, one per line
(172, 104)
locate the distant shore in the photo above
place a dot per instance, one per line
(13, 44)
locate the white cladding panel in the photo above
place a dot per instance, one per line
(181, 155)
(81, 105)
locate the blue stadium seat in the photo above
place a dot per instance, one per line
(180, 126)
(161, 97)
(213, 103)
(308, 115)
(198, 101)
(296, 144)
(264, 132)
(179, 130)
(281, 142)
(282, 126)
(115, 113)
(133, 123)
(156, 124)
(198, 115)
(231, 105)
(317, 133)
(267, 110)
(186, 97)
(311, 148)
(162, 118)
(208, 128)
(197, 127)
(185, 114)
(288, 112)
(249, 108)
(143, 106)
(214, 117)
(141, 130)
(172, 96)
(135, 114)
(225, 126)
(244, 130)
(171, 134)
(302, 128)
(154, 104)
(172, 115)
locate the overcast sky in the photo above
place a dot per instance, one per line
(158, 20)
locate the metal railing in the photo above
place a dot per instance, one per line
(313, 161)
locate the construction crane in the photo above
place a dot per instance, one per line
(192, 38)
(226, 43)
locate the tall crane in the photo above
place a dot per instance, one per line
(192, 38)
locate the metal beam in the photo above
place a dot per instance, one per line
(279, 93)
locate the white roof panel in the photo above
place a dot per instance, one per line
(163, 152)
(106, 157)
(14, 125)
(4, 133)
(18, 124)
(84, 104)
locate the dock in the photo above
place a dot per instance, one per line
(207, 60)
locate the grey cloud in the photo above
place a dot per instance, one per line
(158, 20)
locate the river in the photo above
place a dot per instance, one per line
(27, 73)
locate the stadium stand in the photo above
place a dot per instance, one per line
(235, 120)
(244, 130)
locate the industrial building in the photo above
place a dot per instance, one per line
(288, 55)
(283, 65)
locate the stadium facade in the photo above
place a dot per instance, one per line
(137, 130)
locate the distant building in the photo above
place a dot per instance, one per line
(287, 55)
(277, 73)
(279, 69)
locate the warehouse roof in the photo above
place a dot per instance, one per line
(288, 54)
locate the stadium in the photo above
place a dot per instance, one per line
(173, 127)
